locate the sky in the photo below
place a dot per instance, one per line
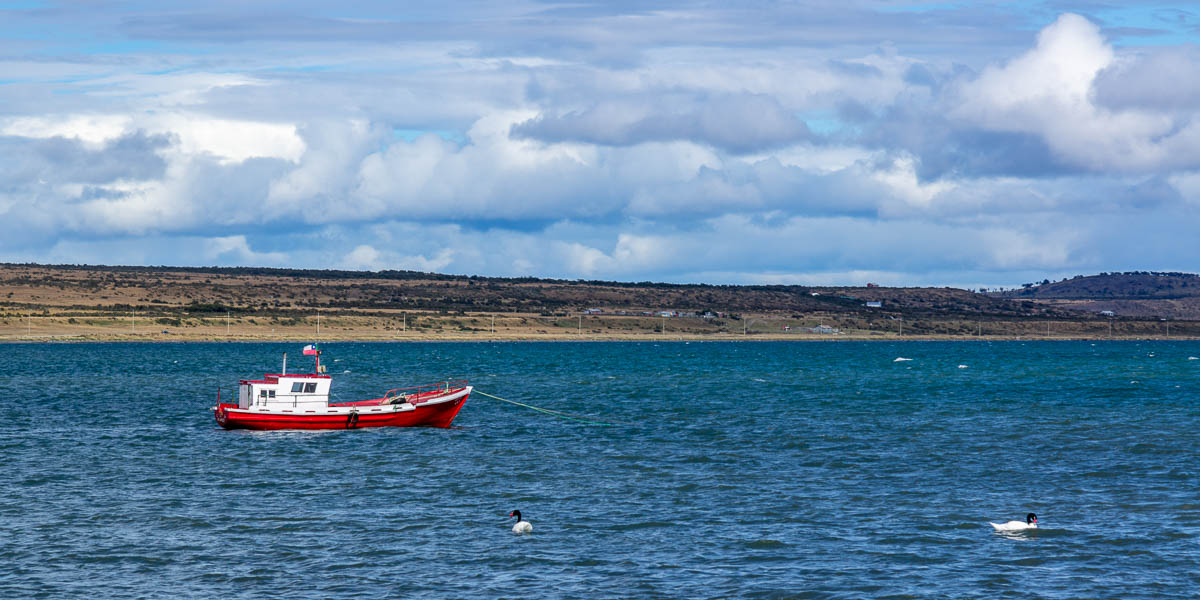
(967, 144)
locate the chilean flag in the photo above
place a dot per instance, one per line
(311, 350)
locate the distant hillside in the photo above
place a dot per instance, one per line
(281, 291)
(141, 303)
(1137, 285)
(1134, 294)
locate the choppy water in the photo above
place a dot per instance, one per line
(807, 470)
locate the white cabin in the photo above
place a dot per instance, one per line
(284, 391)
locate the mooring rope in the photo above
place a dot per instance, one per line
(556, 413)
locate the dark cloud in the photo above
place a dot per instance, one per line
(232, 191)
(852, 111)
(974, 153)
(918, 74)
(737, 123)
(1163, 79)
(62, 160)
(796, 191)
(951, 149)
(854, 69)
(1150, 194)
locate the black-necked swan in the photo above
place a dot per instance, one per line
(521, 526)
(1029, 523)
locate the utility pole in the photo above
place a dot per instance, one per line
(493, 324)
(579, 327)
(318, 325)
(404, 322)
(133, 322)
(226, 324)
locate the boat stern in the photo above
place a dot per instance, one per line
(221, 413)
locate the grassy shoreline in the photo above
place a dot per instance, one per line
(201, 338)
(144, 304)
(106, 326)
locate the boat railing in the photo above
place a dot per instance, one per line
(420, 393)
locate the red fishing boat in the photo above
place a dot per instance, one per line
(301, 401)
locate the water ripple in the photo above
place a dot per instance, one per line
(749, 470)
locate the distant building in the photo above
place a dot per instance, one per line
(593, 311)
(875, 304)
(1107, 313)
(872, 285)
(823, 329)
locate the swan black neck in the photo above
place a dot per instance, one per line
(1030, 518)
(517, 514)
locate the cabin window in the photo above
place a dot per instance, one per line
(262, 393)
(310, 388)
(271, 394)
(297, 387)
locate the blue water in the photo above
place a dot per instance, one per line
(750, 470)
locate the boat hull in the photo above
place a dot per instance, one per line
(434, 412)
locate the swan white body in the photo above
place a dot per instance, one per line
(1013, 526)
(522, 525)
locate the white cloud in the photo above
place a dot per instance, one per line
(901, 179)
(584, 260)
(1014, 250)
(93, 129)
(314, 190)
(362, 257)
(1048, 91)
(666, 160)
(229, 140)
(438, 263)
(236, 249)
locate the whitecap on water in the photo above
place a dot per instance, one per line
(962, 366)
(901, 359)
